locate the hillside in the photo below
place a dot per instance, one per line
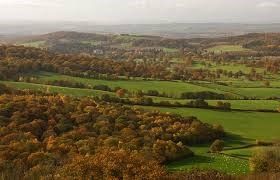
(229, 88)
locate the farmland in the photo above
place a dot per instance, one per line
(243, 127)
(227, 48)
(238, 91)
(36, 44)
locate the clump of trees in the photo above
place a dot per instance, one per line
(38, 131)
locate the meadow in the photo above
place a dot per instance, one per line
(36, 44)
(171, 88)
(227, 48)
(77, 92)
(174, 88)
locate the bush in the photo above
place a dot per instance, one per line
(263, 143)
(217, 146)
(102, 88)
(265, 160)
(223, 105)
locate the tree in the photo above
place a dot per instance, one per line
(217, 146)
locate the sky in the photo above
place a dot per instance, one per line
(142, 11)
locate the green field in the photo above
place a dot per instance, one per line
(55, 89)
(257, 92)
(36, 44)
(227, 48)
(235, 104)
(251, 84)
(219, 162)
(173, 88)
(243, 128)
(247, 125)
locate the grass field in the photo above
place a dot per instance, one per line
(251, 84)
(36, 44)
(235, 104)
(244, 129)
(247, 125)
(257, 92)
(169, 87)
(211, 161)
(227, 48)
(55, 89)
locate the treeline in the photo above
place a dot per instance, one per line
(147, 101)
(203, 95)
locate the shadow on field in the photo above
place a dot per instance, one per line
(197, 159)
(235, 141)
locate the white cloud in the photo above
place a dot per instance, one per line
(268, 4)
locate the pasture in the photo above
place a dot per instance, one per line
(172, 88)
(36, 44)
(243, 128)
(227, 48)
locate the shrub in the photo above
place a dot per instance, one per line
(265, 160)
(121, 93)
(263, 143)
(217, 146)
(199, 103)
(223, 105)
(102, 88)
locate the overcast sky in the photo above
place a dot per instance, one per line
(142, 11)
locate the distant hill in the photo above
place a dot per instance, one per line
(172, 30)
